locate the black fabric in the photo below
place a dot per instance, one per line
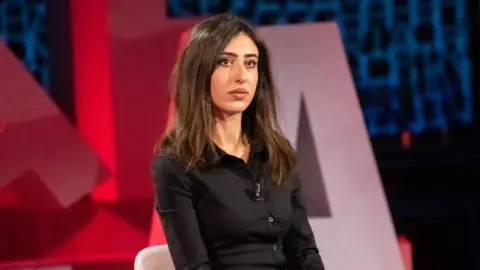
(213, 219)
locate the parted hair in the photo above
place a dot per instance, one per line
(190, 134)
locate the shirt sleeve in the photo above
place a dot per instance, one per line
(299, 243)
(173, 202)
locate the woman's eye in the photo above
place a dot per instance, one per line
(251, 64)
(224, 62)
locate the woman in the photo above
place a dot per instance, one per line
(224, 177)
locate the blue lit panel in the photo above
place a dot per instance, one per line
(22, 26)
(409, 59)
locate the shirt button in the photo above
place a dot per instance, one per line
(270, 219)
(275, 246)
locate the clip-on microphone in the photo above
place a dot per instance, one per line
(258, 193)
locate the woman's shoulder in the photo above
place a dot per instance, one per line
(163, 164)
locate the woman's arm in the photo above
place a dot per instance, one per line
(299, 243)
(173, 202)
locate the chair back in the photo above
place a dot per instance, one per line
(154, 258)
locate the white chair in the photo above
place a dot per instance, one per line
(154, 258)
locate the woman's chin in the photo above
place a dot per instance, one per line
(235, 108)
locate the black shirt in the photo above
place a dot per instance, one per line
(215, 218)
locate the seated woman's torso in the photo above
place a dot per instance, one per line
(240, 229)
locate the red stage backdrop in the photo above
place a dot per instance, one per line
(122, 56)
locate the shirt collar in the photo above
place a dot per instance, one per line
(256, 147)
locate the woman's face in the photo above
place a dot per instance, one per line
(234, 80)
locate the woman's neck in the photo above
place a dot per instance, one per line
(228, 134)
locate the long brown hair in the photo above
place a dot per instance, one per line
(190, 133)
